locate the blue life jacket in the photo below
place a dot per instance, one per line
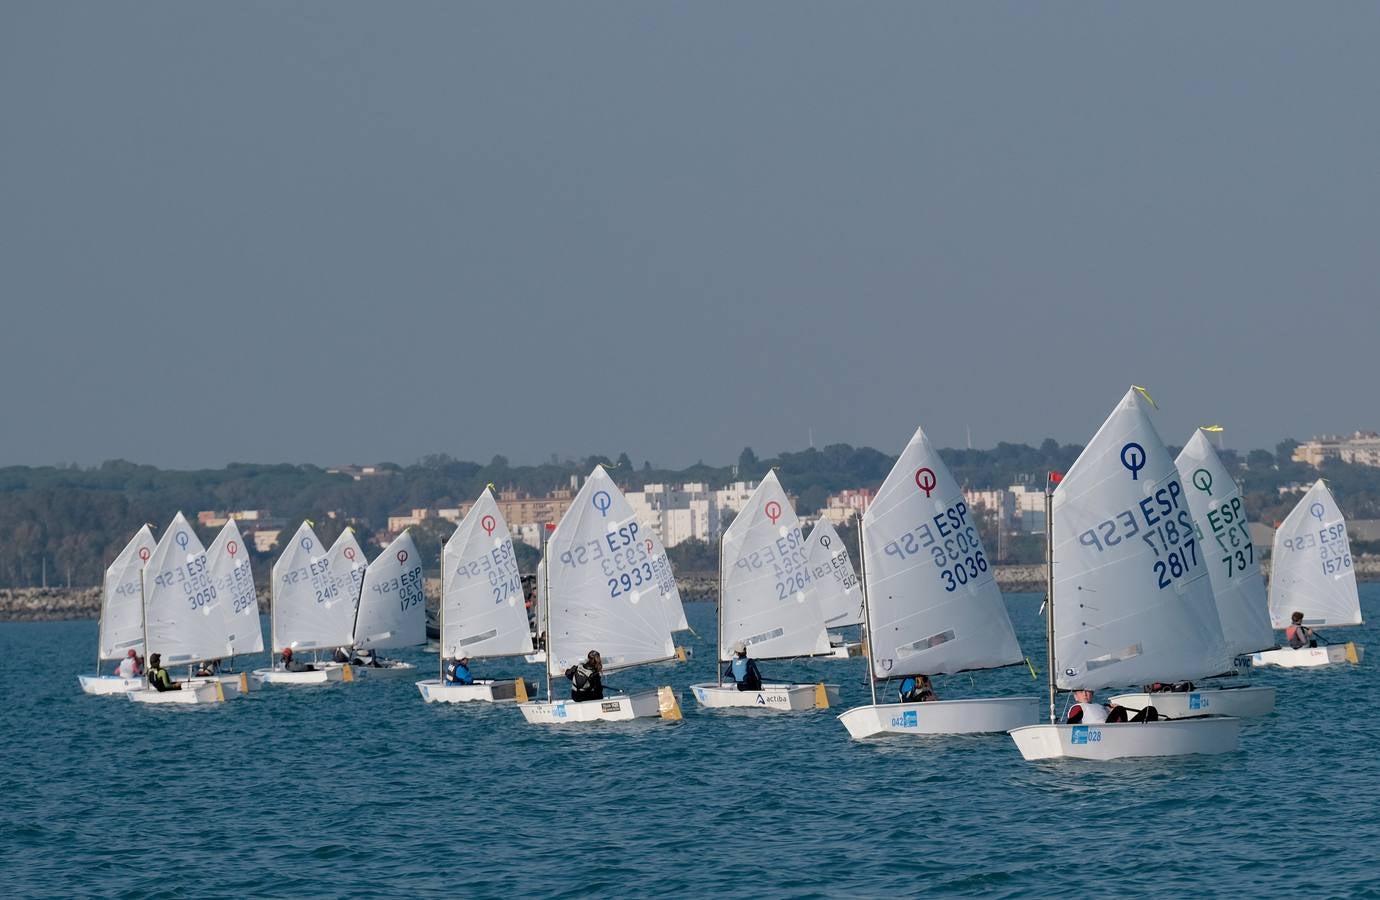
(459, 674)
(907, 687)
(740, 668)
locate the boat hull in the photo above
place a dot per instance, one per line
(108, 685)
(391, 667)
(1123, 740)
(614, 708)
(537, 657)
(1309, 657)
(781, 697)
(190, 695)
(976, 716)
(320, 675)
(1231, 701)
(482, 691)
(232, 683)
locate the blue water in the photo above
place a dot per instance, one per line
(362, 789)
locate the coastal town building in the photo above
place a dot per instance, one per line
(1016, 508)
(846, 505)
(1361, 448)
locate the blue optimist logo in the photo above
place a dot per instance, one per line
(182, 539)
(558, 710)
(1317, 510)
(1197, 701)
(1080, 734)
(1133, 458)
(602, 501)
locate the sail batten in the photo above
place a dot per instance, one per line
(768, 599)
(1311, 569)
(933, 602)
(1133, 598)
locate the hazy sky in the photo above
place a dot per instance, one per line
(346, 232)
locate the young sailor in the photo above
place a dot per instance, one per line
(1298, 634)
(458, 671)
(159, 679)
(917, 689)
(586, 679)
(292, 665)
(743, 670)
(1086, 711)
(129, 666)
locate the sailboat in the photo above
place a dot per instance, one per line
(1234, 572)
(482, 611)
(836, 586)
(392, 605)
(1311, 572)
(122, 616)
(1129, 601)
(183, 622)
(767, 604)
(604, 592)
(315, 594)
(931, 603)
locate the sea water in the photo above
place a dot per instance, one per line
(362, 789)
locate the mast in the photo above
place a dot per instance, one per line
(719, 638)
(867, 612)
(272, 621)
(440, 621)
(546, 607)
(144, 617)
(100, 627)
(1049, 598)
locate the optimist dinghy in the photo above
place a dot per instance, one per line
(183, 619)
(122, 616)
(1129, 597)
(315, 594)
(605, 591)
(836, 586)
(767, 604)
(391, 612)
(931, 603)
(1234, 572)
(482, 612)
(1311, 572)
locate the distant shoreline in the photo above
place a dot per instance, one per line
(74, 604)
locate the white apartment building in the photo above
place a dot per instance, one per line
(846, 505)
(1361, 448)
(1018, 507)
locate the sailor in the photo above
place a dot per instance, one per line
(159, 679)
(1087, 711)
(129, 666)
(208, 668)
(586, 679)
(1298, 634)
(341, 655)
(917, 689)
(743, 670)
(367, 658)
(292, 665)
(458, 671)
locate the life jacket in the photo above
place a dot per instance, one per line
(159, 678)
(740, 668)
(583, 679)
(1297, 636)
(459, 674)
(1094, 713)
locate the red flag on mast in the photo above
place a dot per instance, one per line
(1056, 477)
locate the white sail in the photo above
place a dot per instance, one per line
(1132, 599)
(670, 596)
(835, 583)
(539, 597)
(483, 611)
(1225, 538)
(122, 610)
(239, 601)
(1311, 569)
(183, 620)
(766, 594)
(346, 564)
(932, 598)
(310, 612)
(392, 604)
(606, 591)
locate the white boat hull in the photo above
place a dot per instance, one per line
(976, 716)
(232, 683)
(1182, 737)
(537, 657)
(1308, 657)
(783, 697)
(107, 685)
(613, 708)
(389, 667)
(320, 675)
(190, 695)
(1231, 701)
(482, 691)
